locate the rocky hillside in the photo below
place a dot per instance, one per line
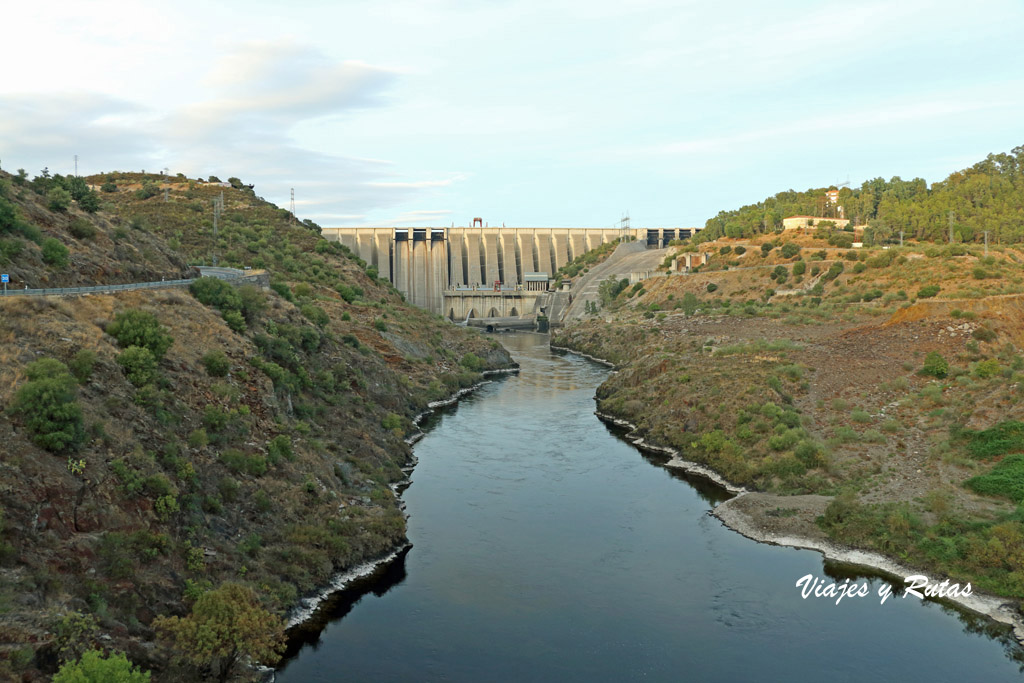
(157, 444)
(878, 390)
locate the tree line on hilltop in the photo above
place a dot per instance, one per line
(988, 196)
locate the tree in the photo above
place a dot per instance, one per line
(89, 202)
(225, 625)
(95, 667)
(50, 405)
(139, 328)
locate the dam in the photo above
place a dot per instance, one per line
(481, 272)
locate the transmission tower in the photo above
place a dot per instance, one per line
(624, 227)
(292, 206)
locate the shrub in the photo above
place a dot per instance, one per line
(239, 462)
(789, 250)
(1005, 479)
(58, 199)
(214, 292)
(50, 406)
(380, 325)
(766, 248)
(859, 268)
(82, 229)
(834, 271)
(55, 253)
(472, 362)
(315, 314)
(740, 251)
(935, 365)
(82, 364)
(984, 334)
(95, 667)
(725, 250)
(860, 416)
(108, 186)
(928, 291)
(711, 287)
(140, 328)
(391, 422)
(995, 441)
(139, 365)
(799, 268)
(216, 364)
(235, 320)
(280, 447)
(987, 368)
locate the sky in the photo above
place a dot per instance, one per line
(522, 112)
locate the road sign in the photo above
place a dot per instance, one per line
(5, 278)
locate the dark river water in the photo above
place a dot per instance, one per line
(547, 548)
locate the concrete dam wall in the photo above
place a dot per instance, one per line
(445, 270)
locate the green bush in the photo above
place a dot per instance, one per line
(280, 448)
(740, 250)
(391, 421)
(82, 364)
(315, 314)
(139, 365)
(1005, 479)
(928, 291)
(82, 229)
(380, 325)
(471, 361)
(140, 328)
(55, 253)
(711, 287)
(235, 320)
(789, 250)
(239, 462)
(58, 199)
(49, 405)
(996, 440)
(799, 268)
(935, 365)
(216, 363)
(834, 271)
(987, 368)
(214, 292)
(95, 667)
(984, 334)
(766, 248)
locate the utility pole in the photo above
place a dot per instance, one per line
(986, 243)
(291, 208)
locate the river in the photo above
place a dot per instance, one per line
(545, 547)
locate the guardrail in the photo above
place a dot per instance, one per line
(221, 273)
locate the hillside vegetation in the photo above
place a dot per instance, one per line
(987, 196)
(877, 390)
(220, 441)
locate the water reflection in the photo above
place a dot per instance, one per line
(548, 549)
(378, 582)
